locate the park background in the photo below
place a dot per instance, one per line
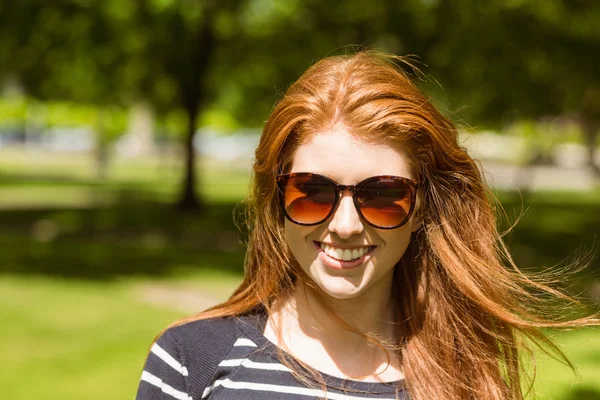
(126, 137)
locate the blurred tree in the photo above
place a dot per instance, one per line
(501, 61)
(64, 51)
(504, 59)
(509, 60)
(177, 54)
(115, 52)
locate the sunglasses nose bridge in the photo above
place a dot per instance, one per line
(346, 219)
(341, 192)
(342, 189)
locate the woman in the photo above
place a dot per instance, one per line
(374, 266)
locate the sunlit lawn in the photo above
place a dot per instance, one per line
(556, 381)
(87, 340)
(73, 339)
(29, 179)
(76, 251)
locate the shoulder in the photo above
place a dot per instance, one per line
(209, 332)
(191, 333)
(204, 338)
(202, 344)
(184, 357)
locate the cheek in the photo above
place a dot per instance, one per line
(296, 237)
(291, 233)
(397, 243)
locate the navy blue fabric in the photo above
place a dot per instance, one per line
(211, 356)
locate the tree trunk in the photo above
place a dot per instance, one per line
(199, 50)
(189, 199)
(101, 148)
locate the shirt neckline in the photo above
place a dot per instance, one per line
(254, 326)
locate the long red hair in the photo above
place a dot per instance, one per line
(466, 311)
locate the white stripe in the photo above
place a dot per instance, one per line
(303, 391)
(243, 342)
(166, 357)
(153, 380)
(244, 362)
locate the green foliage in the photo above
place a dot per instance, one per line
(518, 58)
(507, 60)
(13, 110)
(497, 62)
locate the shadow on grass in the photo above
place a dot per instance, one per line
(555, 229)
(583, 394)
(140, 236)
(130, 238)
(12, 180)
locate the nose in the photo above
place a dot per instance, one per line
(346, 221)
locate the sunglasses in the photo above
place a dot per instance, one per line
(384, 202)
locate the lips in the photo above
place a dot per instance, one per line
(329, 253)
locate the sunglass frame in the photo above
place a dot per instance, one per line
(413, 185)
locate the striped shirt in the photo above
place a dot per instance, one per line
(248, 369)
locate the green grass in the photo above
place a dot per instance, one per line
(73, 339)
(557, 382)
(81, 339)
(129, 239)
(74, 251)
(72, 180)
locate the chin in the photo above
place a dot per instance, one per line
(339, 287)
(340, 293)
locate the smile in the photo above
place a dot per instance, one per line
(343, 258)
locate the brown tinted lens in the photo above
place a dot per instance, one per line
(385, 202)
(308, 198)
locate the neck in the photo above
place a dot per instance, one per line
(309, 331)
(370, 313)
(314, 317)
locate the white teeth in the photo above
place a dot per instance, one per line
(329, 251)
(347, 255)
(339, 254)
(344, 254)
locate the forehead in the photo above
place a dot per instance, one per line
(348, 159)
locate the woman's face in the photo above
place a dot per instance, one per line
(348, 160)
